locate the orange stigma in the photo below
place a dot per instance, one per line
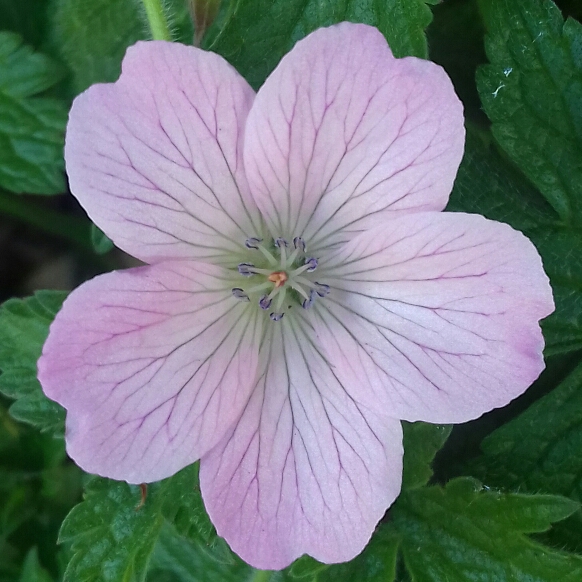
(279, 278)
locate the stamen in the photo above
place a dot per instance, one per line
(309, 266)
(276, 316)
(253, 243)
(281, 298)
(312, 264)
(307, 303)
(299, 244)
(291, 258)
(278, 277)
(272, 260)
(299, 289)
(245, 269)
(322, 289)
(281, 242)
(265, 302)
(240, 294)
(261, 287)
(303, 281)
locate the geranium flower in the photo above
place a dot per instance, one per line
(303, 291)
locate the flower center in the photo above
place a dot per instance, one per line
(280, 276)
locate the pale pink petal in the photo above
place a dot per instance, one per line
(153, 365)
(156, 158)
(435, 316)
(342, 131)
(306, 469)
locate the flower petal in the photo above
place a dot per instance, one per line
(153, 365)
(306, 469)
(435, 316)
(156, 158)
(342, 130)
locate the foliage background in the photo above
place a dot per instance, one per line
(497, 499)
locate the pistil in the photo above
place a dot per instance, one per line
(279, 278)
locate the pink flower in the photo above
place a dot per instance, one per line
(303, 291)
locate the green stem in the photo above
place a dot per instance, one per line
(75, 230)
(157, 19)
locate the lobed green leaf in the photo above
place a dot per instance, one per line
(257, 33)
(112, 536)
(113, 533)
(31, 128)
(532, 92)
(24, 326)
(422, 441)
(541, 450)
(463, 532)
(187, 561)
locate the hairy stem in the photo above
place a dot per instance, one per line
(157, 19)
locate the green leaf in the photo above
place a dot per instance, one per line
(32, 571)
(541, 450)
(306, 567)
(486, 185)
(24, 326)
(16, 505)
(100, 241)
(464, 532)
(113, 534)
(189, 516)
(257, 33)
(112, 537)
(25, 17)
(31, 128)
(185, 560)
(421, 443)
(92, 37)
(532, 92)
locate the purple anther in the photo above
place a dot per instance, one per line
(321, 289)
(307, 303)
(238, 293)
(253, 243)
(265, 302)
(312, 262)
(299, 243)
(276, 316)
(246, 269)
(281, 242)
